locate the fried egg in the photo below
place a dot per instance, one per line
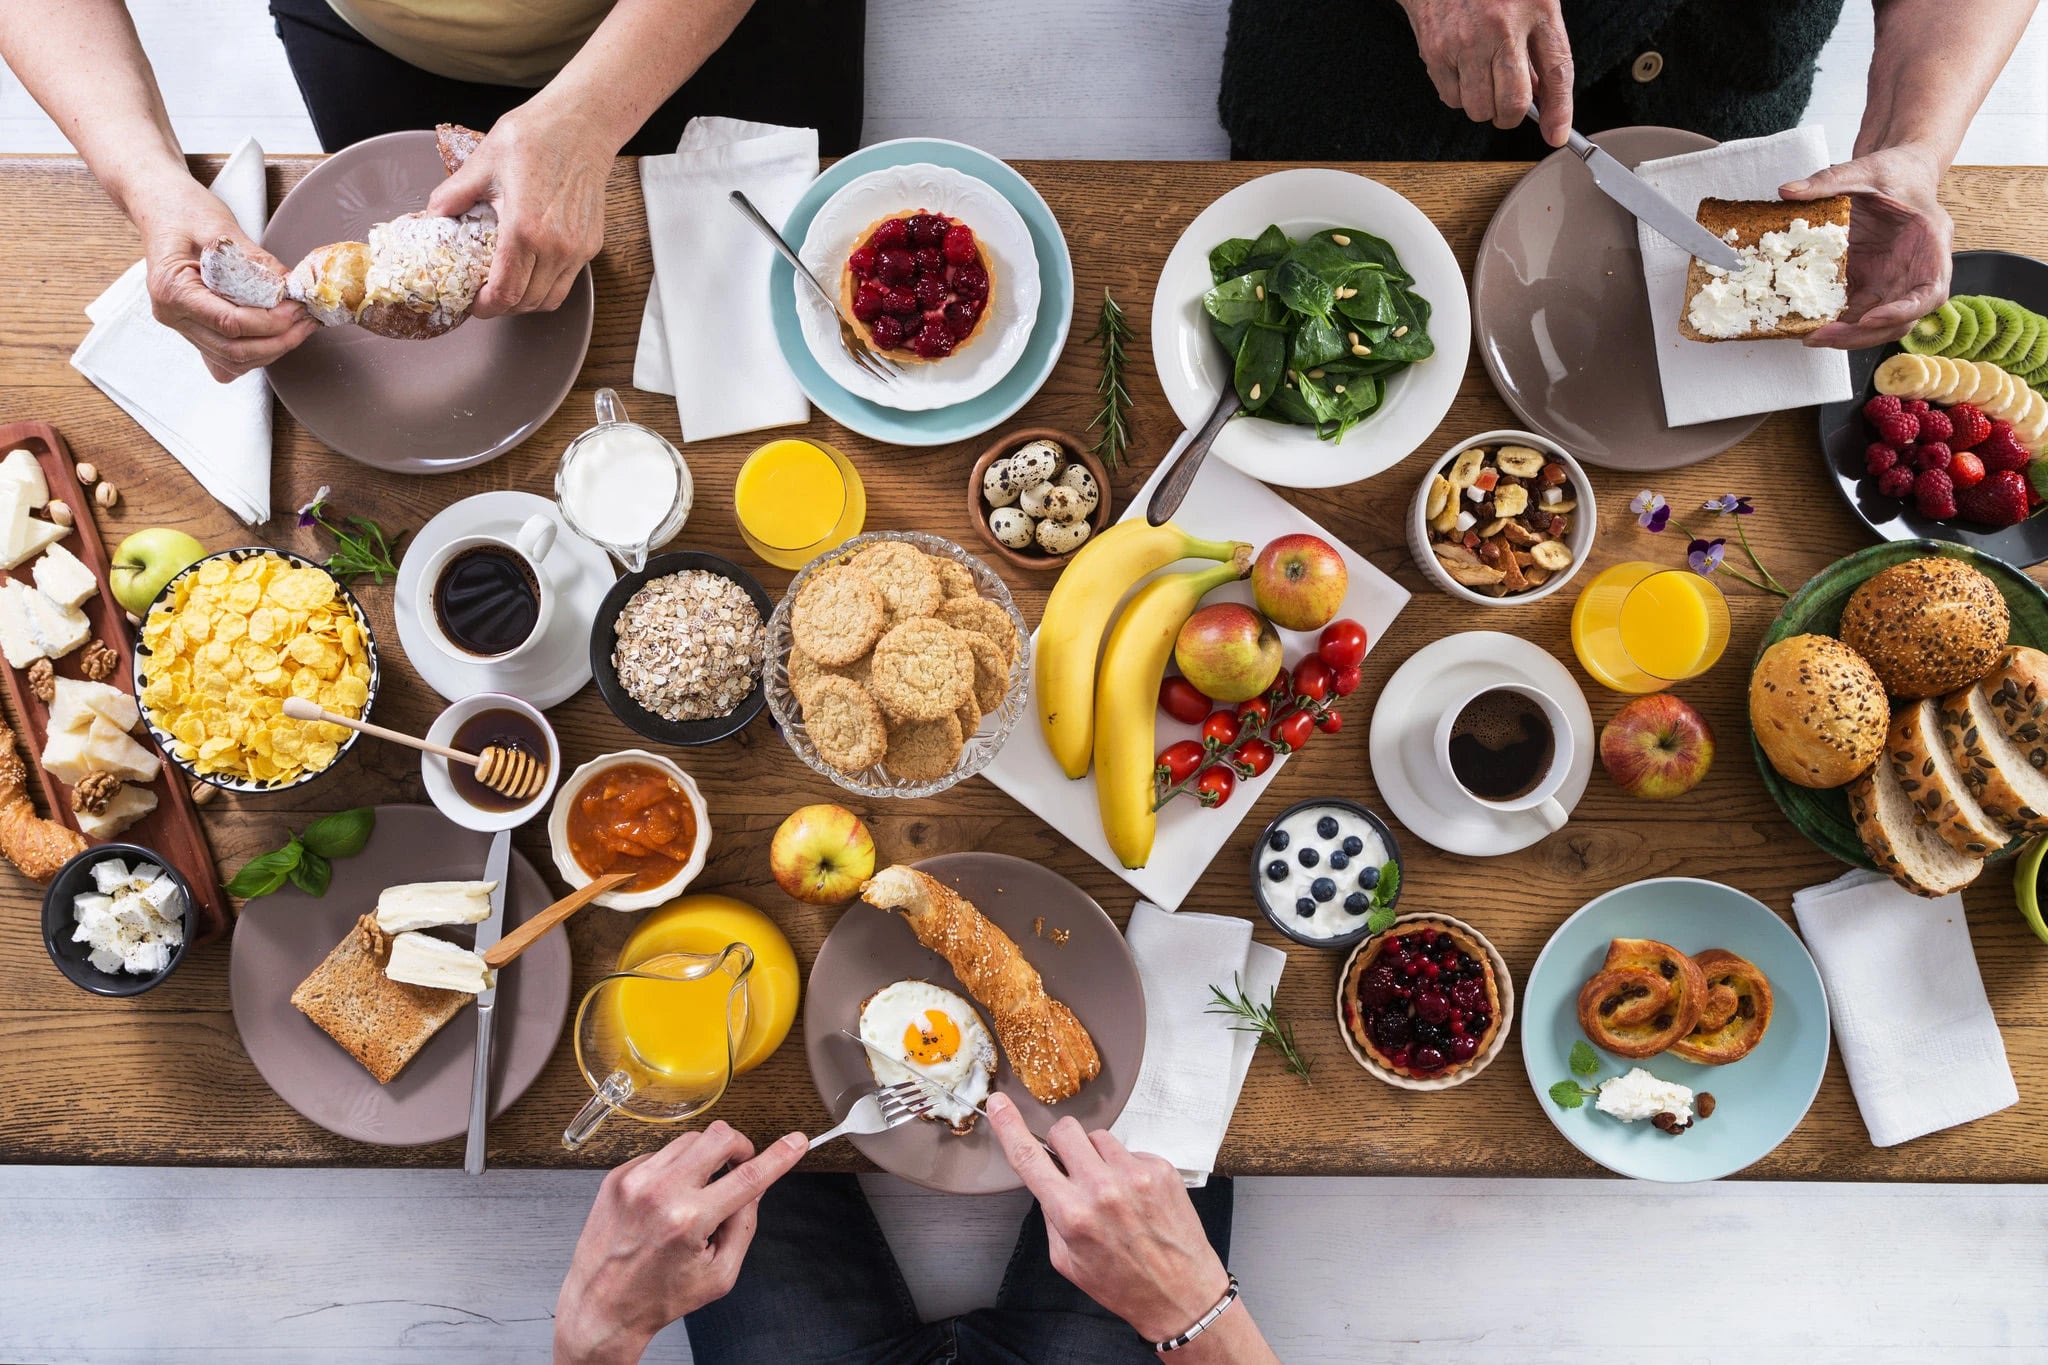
(931, 1032)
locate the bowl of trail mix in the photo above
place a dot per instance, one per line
(1505, 517)
(677, 648)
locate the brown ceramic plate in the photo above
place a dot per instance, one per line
(280, 938)
(415, 407)
(1092, 973)
(1562, 321)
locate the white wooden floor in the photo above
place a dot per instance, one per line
(117, 1265)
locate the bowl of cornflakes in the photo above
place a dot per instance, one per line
(227, 641)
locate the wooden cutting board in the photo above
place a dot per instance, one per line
(173, 829)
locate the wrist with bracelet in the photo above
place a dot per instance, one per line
(1201, 1324)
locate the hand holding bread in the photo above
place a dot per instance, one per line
(233, 333)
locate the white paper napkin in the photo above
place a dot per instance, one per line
(1916, 1031)
(707, 335)
(1195, 1063)
(220, 432)
(1706, 381)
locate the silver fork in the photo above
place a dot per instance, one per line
(857, 349)
(880, 1111)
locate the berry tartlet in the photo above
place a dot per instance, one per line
(918, 286)
(1424, 1004)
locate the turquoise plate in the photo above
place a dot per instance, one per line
(940, 426)
(1758, 1100)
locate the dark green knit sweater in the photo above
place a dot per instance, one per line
(1335, 80)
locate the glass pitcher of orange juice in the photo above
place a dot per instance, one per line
(1641, 627)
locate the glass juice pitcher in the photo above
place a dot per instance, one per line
(656, 1043)
(623, 486)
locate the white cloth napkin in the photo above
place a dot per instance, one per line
(706, 336)
(220, 432)
(1916, 1031)
(1195, 1063)
(1706, 381)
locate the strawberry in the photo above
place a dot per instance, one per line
(1881, 406)
(1970, 425)
(1900, 430)
(1878, 457)
(1935, 425)
(1965, 470)
(2001, 450)
(1931, 455)
(2001, 500)
(1934, 494)
(1896, 482)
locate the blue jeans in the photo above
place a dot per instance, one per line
(820, 1287)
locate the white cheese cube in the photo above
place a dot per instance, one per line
(22, 537)
(22, 467)
(131, 913)
(145, 873)
(130, 804)
(163, 897)
(149, 957)
(17, 641)
(106, 959)
(58, 629)
(63, 578)
(109, 875)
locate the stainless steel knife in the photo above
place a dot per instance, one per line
(928, 1082)
(1635, 194)
(497, 868)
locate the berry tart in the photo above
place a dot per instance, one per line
(1426, 1004)
(918, 286)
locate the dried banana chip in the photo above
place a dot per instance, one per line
(1521, 461)
(1554, 555)
(1440, 494)
(1466, 467)
(1510, 500)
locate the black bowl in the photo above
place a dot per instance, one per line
(73, 959)
(1843, 434)
(603, 635)
(1279, 920)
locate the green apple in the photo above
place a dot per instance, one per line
(146, 561)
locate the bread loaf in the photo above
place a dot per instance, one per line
(1927, 772)
(1928, 626)
(1904, 847)
(1818, 710)
(1995, 770)
(2017, 688)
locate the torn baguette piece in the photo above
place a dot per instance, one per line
(1796, 275)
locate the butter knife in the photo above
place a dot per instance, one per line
(497, 868)
(1635, 194)
(933, 1085)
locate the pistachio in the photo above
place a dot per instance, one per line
(88, 473)
(60, 512)
(106, 495)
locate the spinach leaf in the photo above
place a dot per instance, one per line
(1266, 252)
(1286, 406)
(1364, 247)
(1374, 301)
(1230, 336)
(1237, 299)
(1227, 258)
(1362, 365)
(1301, 289)
(1413, 343)
(1318, 399)
(1261, 360)
(1316, 341)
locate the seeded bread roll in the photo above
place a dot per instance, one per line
(1928, 626)
(1818, 710)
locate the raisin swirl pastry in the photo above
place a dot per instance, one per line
(1645, 997)
(1733, 1014)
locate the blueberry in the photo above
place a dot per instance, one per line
(1276, 871)
(1309, 857)
(1304, 906)
(1369, 877)
(1353, 845)
(1322, 888)
(1338, 860)
(1356, 903)
(1327, 826)
(1278, 841)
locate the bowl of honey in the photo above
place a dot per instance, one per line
(635, 812)
(476, 723)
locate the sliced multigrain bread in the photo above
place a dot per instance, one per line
(1748, 220)
(1995, 771)
(1904, 846)
(2017, 688)
(380, 1022)
(1931, 781)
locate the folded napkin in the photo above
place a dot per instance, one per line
(1195, 1063)
(1706, 381)
(1916, 1032)
(707, 335)
(219, 432)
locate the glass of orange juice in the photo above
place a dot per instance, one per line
(1641, 627)
(797, 499)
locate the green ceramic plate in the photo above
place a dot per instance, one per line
(1816, 609)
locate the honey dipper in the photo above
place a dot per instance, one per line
(512, 773)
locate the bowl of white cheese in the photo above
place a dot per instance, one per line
(115, 919)
(1322, 867)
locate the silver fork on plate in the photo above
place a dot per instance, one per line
(857, 349)
(882, 1110)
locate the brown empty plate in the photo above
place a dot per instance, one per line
(415, 407)
(1563, 322)
(1092, 973)
(280, 938)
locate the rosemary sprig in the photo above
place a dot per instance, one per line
(1274, 1032)
(1113, 332)
(364, 551)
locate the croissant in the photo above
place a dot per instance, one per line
(35, 845)
(415, 278)
(1645, 997)
(1734, 1012)
(1047, 1046)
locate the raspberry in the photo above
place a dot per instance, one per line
(900, 302)
(960, 244)
(2001, 500)
(930, 292)
(970, 281)
(927, 229)
(888, 331)
(1970, 425)
(960, 317)
(893, 233)
(1878, 457)
(2001, 450)
(1935, 425)
(933, 341)
(1917, 406)
(1932, 455)
(1934, 494)
(862, 261)
(1965, 470)
(1896, 482)
(1900, 430)
(868, 300)
(1881, 406)
(896, 267)
(931, 261)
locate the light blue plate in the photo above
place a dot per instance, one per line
(1758, 1100)
(939, 426)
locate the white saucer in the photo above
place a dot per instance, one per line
(1404, 734)
(556, 668)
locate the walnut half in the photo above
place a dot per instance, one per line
(94, 792)
(42, 680)
(99, 661)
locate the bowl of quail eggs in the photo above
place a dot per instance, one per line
(1037, 496)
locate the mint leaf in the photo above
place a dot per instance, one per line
(342, 834)
(311, 873)
(266, 873)
(1380, 920)
(1389, 885)
(1585, 1061)
(1567, 1095)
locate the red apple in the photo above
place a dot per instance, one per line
(1298, 581)
(821, 854)
(1229, 652)
(1657, 747)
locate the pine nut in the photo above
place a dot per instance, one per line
(1255, 393)
(1340, 239)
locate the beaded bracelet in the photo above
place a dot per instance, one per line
(1202, 1324)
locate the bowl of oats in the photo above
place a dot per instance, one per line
(677, 648)
(896, 664)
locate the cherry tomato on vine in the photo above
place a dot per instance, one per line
(1329, 722)
(1219, 731)
(1179, 761)
(1215, 785)
(1253, 757)
(1342, 644)
(1312, 679)
(1254, 712)
(1182, 700)
(1346, 680)
(1292, 730)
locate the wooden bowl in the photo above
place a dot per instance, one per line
(1034, 559)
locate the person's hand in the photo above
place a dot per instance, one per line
(663, 1239)
(1899, 239)
(545, 177)
(1492, 57)
(181, 220)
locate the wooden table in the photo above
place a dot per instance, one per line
(163, 1078)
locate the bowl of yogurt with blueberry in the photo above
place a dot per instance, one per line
(1321, 869)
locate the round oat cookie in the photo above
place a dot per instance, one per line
(955, 578)
(991, 672)
(969, 716)
(983, 617)
(922, 670)
(905, 576)
(924, 751)
(804, 673)
(846, 725)
(838, 616)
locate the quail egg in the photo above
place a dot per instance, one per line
(1077, 478)
(1036, 462)
(1060, 503)
(1011, 527)
(1032, 499)
(1000, 484)
(1062, 537)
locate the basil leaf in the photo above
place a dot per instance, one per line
(266, 872)
(342, 834)
(311, 873)
(1567, 1095)
(1585, 1061)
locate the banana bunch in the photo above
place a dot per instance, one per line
(1096, 698)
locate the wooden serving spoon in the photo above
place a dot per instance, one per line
(527, 934)
(511, 773)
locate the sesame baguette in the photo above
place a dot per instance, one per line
(1750, 219)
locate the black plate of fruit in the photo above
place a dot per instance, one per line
(1997, 319)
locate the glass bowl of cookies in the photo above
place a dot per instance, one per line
(896, 664)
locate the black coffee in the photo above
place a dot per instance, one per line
(1501, 745)
(487, 600)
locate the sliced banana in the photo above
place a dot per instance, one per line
(1903, 375)
(1440, 494)
(1947, 379)
(1986, 388)
(1560, 507)
(1510, 500)
(1520, 461)
(1443, 522)
(2001, 404)
(1552, 555)
(1466, 467)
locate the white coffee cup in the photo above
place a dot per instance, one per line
(531, 543)
(1541, 798)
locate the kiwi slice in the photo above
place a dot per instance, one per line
(2012, 326)
(1987, 326)
(2035, 355)
(1932, 334)
(1968, 328)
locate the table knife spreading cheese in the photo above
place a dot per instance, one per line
(1646, 205)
